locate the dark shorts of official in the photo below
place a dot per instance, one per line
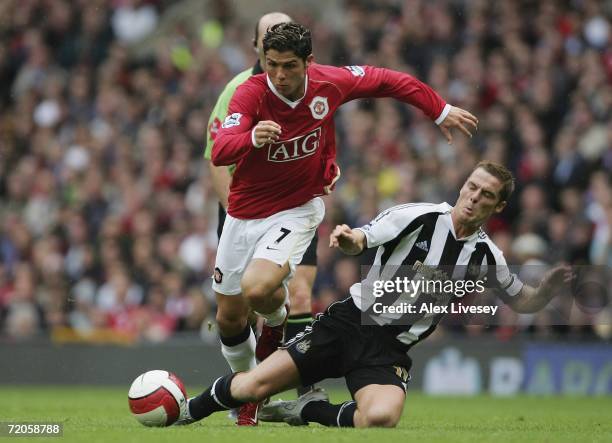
(310, 256)
(336, 345)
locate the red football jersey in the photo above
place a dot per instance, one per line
(301, 164)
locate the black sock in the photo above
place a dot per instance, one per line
(296, 324)
(237, 339)
(330, 415)
(212, 401)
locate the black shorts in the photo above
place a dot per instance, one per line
(337, 345)
(310, 256)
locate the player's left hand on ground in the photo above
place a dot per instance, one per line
(461, 119)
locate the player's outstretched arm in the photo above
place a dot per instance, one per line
(531, 300)
(350, 241)
(369, 81)
(460, 119)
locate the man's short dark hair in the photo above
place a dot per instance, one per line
(293, 37)
(501, 173)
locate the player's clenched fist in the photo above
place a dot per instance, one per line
(266, 131)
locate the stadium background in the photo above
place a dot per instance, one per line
(108, 217)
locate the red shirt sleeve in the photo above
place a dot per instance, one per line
(368, 81)
(233, 141)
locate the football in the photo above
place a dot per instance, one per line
(156, 398)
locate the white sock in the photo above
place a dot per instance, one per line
(275, 318)
(241, 357)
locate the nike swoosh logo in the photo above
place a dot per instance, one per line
(271, 249)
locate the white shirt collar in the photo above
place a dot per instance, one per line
(294, 104)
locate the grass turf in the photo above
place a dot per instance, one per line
(94, 415)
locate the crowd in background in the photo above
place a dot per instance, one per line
(107, 214)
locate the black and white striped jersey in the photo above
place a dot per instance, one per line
(423, 234)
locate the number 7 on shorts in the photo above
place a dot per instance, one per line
(285, 233)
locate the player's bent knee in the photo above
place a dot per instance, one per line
(381, 417)
(259, 293)
(256, 294)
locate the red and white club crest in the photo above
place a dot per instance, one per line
(319, 107)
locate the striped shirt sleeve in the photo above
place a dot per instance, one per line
(507, 281)
(391, 222)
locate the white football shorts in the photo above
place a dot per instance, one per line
(282, 237)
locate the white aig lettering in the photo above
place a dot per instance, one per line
(295, 148)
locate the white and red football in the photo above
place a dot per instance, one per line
(156, 398)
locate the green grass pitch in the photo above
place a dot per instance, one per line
(93, 415)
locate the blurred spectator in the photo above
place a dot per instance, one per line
(133, 20)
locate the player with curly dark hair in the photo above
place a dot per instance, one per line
(279, 132)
